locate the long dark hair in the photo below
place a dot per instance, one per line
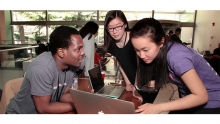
(159, 67)
(108, 40)
(90, 27)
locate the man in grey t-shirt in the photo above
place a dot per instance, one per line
(45, 88)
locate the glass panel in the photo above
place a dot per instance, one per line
(15, 58)
(72, 15)
(28, 15)
(100, 38)
(52, 27)
(177, 15)
(28, 34)
(189, 17)
(130, 15)
(166, 16)
(169, 11)
(137, 15)
(102, 14)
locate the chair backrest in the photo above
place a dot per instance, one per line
(10, 89)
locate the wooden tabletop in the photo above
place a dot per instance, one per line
(84, 85)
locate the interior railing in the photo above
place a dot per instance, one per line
(13, 56)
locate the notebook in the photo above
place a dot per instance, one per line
(99, 86)
(88, 103)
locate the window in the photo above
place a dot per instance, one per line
(137, 15)
(28, 34)
(28, 15)
(177, 15)
(31, 25)
(72, 15)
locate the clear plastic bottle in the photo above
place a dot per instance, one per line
(117, 78)
(75, 83)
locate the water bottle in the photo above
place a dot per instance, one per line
(117, 78)
(75, 83)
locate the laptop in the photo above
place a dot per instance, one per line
(99, 86)
(207, 53)
(88, 103)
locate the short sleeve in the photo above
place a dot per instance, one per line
(41, 80)
(180, 62)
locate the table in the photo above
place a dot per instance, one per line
(84, 85)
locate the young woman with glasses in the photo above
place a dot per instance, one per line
(118, 43)
(198, 84)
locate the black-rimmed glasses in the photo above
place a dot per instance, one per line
(115, 28)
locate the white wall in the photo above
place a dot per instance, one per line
(204, 30)
(186, 34)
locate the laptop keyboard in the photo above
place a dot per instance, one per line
(106, 90)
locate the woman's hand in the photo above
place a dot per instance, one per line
(148, 109)
(137, 95)
(129, 87)
(92, 91)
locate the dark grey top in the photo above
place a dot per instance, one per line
(42, 79)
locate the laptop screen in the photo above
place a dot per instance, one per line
(95, 77)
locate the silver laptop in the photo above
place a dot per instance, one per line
(88, 103)
(99, 86)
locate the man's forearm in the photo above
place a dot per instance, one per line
(56, 108)
(66, 98)
(64, 105)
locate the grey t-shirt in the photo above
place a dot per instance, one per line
(42, 79)
(181, 59)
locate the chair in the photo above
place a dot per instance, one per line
(10, 89)
(215, 65)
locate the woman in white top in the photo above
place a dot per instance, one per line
(88, 32)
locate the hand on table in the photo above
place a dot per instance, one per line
(137, 95)
(92, 91)
(148, 109)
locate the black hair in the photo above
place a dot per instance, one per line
(178, 29)
(170, 31)
(108, 40)
(158, 68)
(61, 38)
(90, 27)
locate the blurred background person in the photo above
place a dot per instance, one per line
(88, 32)
(170, 33)
(41, 48)
(175, 36)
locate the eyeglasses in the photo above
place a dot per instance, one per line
(115, 28)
